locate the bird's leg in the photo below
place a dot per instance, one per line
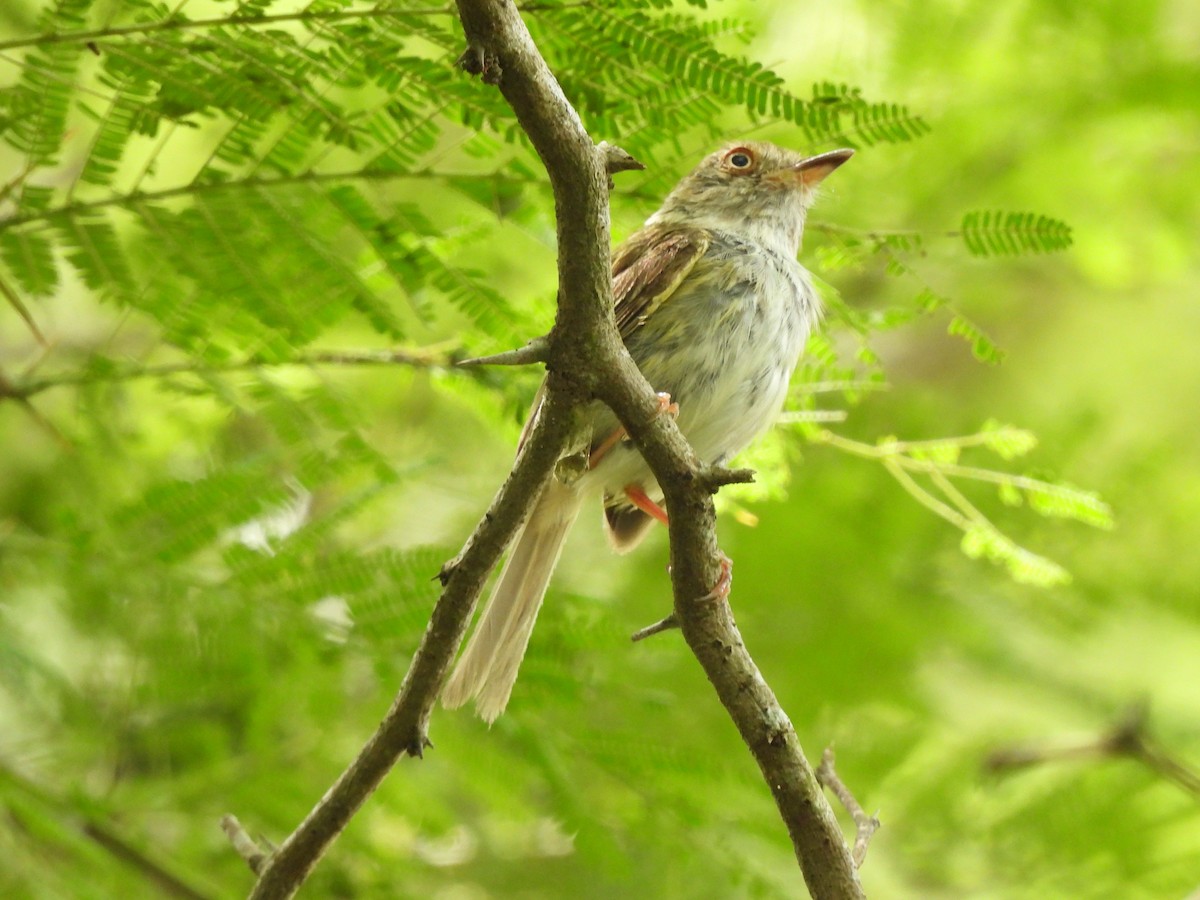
(666, 406)
(635, 495)
(724, 583)
(618, 434)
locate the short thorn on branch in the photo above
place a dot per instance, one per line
(716, 477)
(245, 846)
(657, 628)
(536, 351)
(475, 60)
(865, 826)
(617, 160)
(418, 744)
(446, 572)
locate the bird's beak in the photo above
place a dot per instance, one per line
(812, 171)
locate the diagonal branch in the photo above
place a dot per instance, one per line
(864, 825)
(585, 359)
(178, 23)
(585, 347)
(404, 730)
(1129, 737)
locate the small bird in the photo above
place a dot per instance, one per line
(715, 310)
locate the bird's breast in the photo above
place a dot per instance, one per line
(725, 344)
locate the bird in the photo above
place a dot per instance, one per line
(715, 309)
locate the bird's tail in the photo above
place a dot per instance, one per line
(488, 667)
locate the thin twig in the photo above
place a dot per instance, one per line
(18, 305)
(879, 234)
(536, 351)
(192, 189)
(865, 826)
(421, 358)
(307, 15)
(658, 627)
(103, 834)
(894, 453)
(714, 477)
(1128, 738)
(244, 845)
(10, 391)
(181, 24)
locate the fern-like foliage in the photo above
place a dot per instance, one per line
(249, 184)
(200, 207)
(929, 470)
(996, 233)
(985, 234)
(681, 53)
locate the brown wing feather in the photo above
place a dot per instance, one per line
(648, 268)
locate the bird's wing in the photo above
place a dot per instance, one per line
(648, 267)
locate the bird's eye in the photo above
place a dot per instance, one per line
(740, 159)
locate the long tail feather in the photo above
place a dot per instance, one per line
(488, 667)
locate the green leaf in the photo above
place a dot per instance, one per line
(998, 233)
(983, 541)
(982, 346)
(29, 255)
(1007, 441)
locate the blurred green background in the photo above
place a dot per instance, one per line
(170, 653)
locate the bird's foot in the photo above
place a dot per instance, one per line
(720, 590)
(666, 406)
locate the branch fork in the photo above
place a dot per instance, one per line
(585, 357)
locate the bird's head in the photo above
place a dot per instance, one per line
(752, 188)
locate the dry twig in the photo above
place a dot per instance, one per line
(865, 826)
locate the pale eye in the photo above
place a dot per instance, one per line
(740, 160)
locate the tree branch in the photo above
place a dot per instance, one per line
(585, 359)
(404, 728)
(585, 347)
(75, 817)
(1127, 738)
(178, 23)
(421, 358)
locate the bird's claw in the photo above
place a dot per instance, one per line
(666, 406)
(720, 590)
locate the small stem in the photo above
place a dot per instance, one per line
(99, 34)
(244, 845)
(195, 189)
(923, 496)
(83, 37)
(879, 234)
(14, 300)
(657, 628)
(865, 825)
(536, 351)
(1128, 738)
(427, 358)
(894, 452)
